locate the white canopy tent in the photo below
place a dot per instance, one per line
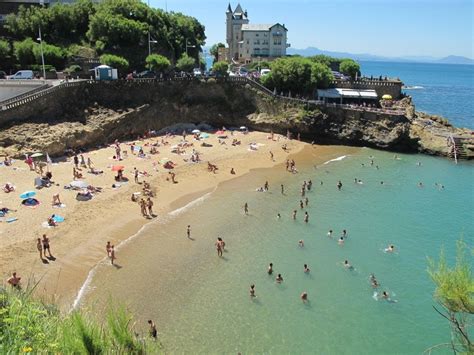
(340, 94)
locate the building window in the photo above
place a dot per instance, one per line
(256, 35)
(248, 42)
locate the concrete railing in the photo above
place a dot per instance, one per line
(24, 95)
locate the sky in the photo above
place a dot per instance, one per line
(392, 28)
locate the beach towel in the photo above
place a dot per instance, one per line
(58, 219)
(11, 219)
(62, 205)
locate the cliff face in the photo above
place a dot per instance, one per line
(94, 114)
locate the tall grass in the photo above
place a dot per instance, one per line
(31, 325)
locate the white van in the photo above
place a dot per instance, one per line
(22, 74)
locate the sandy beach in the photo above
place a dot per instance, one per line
(78, 243)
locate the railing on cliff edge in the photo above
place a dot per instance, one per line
(31, 96)
(21, 96)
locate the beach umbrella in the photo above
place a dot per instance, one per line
(117, 167)
(27, 194)
(36, 155)
(79, 184)
(196, 131)
(387, 97)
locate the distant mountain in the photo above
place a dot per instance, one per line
(310, 51)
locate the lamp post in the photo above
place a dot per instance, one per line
(40, 39)
(189, 46)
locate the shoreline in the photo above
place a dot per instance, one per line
(78, 244)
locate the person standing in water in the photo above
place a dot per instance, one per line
(306, 217)
(270, 269)
(301, 204)
(252, 291)
(218, 245)
(188, 231)
(246, 208)
(107, 248)
(153, 332)
(306, 268)
(294, 214)
(266, 186)
(282, 190)
(330, 233)
(39, 246)
(112, 255)
(279, 279)
(306, 202)
(339, 185)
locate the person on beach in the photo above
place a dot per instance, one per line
(306, 269)
(246, 208)
(51, 222)
(152, 329)
(188, 231)
(271, 156)
(306, 217)
(304, 297)
(143, 207)
(76, 161)
(83, 161)
(89, 163)
(14, 281)
(266, 186)
(39, 246)
(294, 214)
(330, 233)
(279, 279)
(135, 174)
(219, 246)
(46, 246)
(108, 247)
(252, 291)
(270, 269)
(232, 171)
(339, 185)
(149, 205)
(56, 200)
(112, 254)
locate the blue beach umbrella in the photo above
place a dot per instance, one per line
(27, 194)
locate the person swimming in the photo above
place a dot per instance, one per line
(330, 233)
(341, 241)
(344, 233)
(390, 248)
(304, 297)
(279, 279)
(278, 216)
(306, 268)
(301, 243)
(347, 265)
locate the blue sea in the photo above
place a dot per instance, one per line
(441, 89)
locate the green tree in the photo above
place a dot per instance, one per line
(53, 55)
(321, 75)
(185, 63)
(291, 75)
(4, 51)
(24, 51)
(454, 294)
(349, 67)
(220, 68)
(215, 50)
(120, 63)
(158, 63)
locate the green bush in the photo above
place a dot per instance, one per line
(115, 61)
(53, 55)
(24, 51)
(220, 68)
(185, 63)
(349, 67)
(4, 51)
(158, 63)
(29, 325)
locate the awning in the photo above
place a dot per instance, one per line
(337, 93)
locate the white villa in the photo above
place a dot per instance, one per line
(250, 42)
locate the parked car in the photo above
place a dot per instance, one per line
(197, 72)
(22, 74)
(146, 74)
(3, 75)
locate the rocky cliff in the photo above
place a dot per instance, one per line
(89, 115)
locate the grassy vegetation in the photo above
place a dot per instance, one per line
(28, 325)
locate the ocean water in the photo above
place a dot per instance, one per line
(201, 302)
(442, 89)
